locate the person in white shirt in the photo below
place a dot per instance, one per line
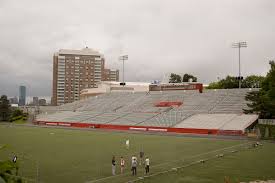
(147, 164)
(127, 144)
(134, 165)
(122, 164)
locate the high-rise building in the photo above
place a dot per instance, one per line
(13, 100)
(42, 102)
(22, 95)
(74, 70)
(110, 75)
(35, 101)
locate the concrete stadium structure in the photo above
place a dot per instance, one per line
(112, 86)
(186, 111)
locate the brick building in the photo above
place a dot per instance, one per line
(74, 70)
(110, 75)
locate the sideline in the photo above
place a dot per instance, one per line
(133, 132)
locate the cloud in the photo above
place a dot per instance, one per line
(160, 37)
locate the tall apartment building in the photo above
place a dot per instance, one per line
(35, 101)
(110, 75)
(22, 95)
(74, 70)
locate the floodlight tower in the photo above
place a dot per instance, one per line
(123, 58)
(239, 45)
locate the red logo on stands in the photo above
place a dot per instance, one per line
(168, 104)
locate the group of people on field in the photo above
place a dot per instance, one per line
(134, 164)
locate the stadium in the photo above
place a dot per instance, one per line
(189, 133)
(137, 91)
(167, 108)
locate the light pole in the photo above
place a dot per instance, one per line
(239, 45)
(123, 58)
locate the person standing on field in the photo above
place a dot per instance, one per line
(122, 164)
(147, 164)
(113, 166)
(141, 155)
(134, 165)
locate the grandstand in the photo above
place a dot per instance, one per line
(213, 111)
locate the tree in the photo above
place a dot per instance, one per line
(175, 78)
(262, 102)
(4, 108)
(17, 112)
(228, 82)
(186, 78)
(9, 171)
(253, 81)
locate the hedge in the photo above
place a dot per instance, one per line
(264, 129)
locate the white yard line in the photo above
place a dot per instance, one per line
(167, 171)
(113, 176)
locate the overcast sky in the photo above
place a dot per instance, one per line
(160, 37)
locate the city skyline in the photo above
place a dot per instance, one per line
(160, 37)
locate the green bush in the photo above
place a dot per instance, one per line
(15, 118)
(24, 118)
(7, 171)
(17, 112)
(271, 131)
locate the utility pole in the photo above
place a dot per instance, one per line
(123, 58)
(239, 45)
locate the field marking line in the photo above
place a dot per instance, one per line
(167, 171)
(118, 175)
(190, 157)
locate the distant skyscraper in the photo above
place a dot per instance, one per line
(22, 95)
(35, 101)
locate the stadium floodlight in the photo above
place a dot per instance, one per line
(239, 45)
(123, 58)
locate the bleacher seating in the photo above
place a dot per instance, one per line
(139, 109)
(218, 121)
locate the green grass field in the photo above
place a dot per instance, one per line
(65, 155)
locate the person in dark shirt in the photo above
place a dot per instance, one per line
(141, 155)
(113, 165)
